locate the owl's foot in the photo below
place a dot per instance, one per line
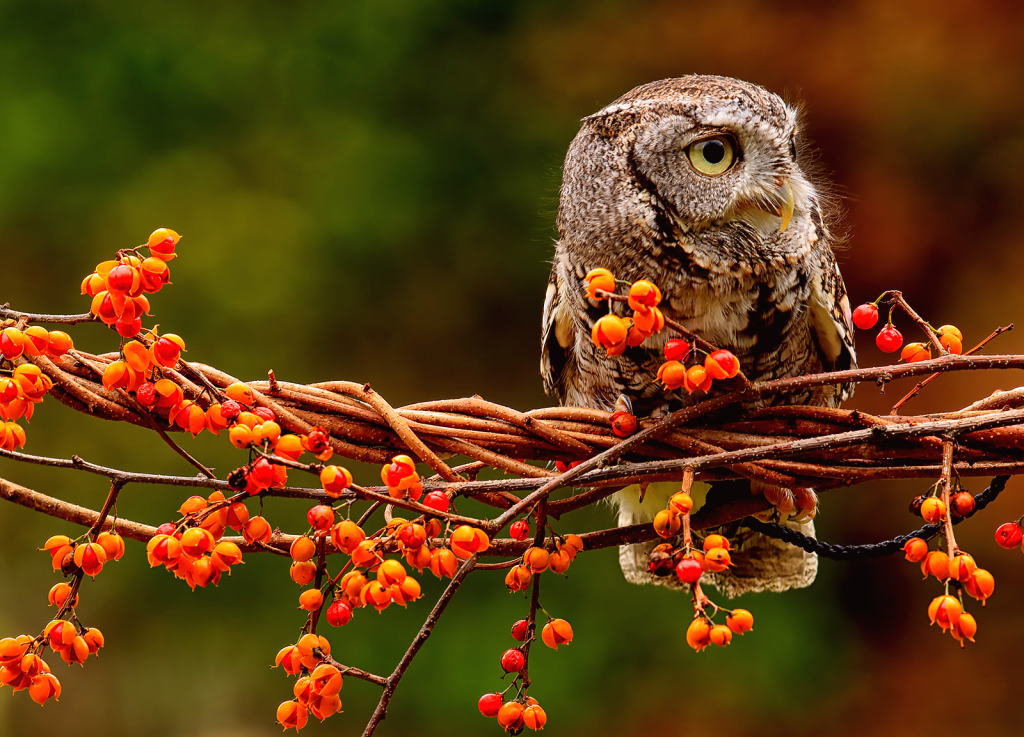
(623, 404)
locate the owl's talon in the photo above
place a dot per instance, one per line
(623, 404)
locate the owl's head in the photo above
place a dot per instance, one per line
(716, 157)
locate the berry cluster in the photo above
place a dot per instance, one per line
(21, 663)
(26, 385)
(889, 339)
(614, 333)
(955, 569)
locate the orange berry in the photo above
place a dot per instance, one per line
(311, 600)
(408, 590)
(536, 559)
(90, 558)
(740, 621)
(556, 632)
(44, 686)
(352, 583)
(650, 322)
(643, 295)
(609, 332)
(961, 567)
(302, 549)
(162, 550)
(720, 635)
(936, 563)
(667, 522)
(980, 585)
(467, 540)
(599, 279)
(717, 559)
(510, 715)
(443, 563)
(559, 561)
(335, 480)
(364, 553)
(59, 594)
(289, 658)
(292, 715)
(118, 375)
(534, 717)
(237, 516)
(698, 634)
(196, 541)
(12, 343)
(916, 549)
(951, 330)
(914, 352)
(945, 610)
(391, 572)
(60, 343)
(225, 555)
(715, 541)
(376, 595)
(37, 340)
(303, 572)
(933, 509)
(965, 626)
(13, 649)
(257, 529)
(518, 577)
(346, 536)
(681, 502)
(94, 639)
(952, 344)
(697, 379)
(112, 543)
(418, 558)
(672, 374)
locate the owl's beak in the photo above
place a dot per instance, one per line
(780, 204)
(786, 206)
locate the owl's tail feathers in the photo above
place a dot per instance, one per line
(761, 564)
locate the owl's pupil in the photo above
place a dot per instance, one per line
(713, 152)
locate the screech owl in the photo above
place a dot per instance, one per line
(699, 184)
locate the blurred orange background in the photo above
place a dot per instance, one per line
(368, 191)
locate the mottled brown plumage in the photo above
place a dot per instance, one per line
(729, 266)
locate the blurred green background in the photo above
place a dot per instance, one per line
(367, 191)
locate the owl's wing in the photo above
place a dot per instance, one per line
(557, 361)
(832, 321)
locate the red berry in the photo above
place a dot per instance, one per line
(519, 630)
(146, 394)
(689, 570)
(437, 500)
(339, 614)
(166, 351)
(866, 316)
(265, 413)
(263, 472)
(230, 409)
(167, 528)
(489, 704)
(120, 278)
(519, 529)
(676, 350)
(320, 517)
(889, 339)
(624, 424)
(513, 660)
(1009, 535)
(128, 329)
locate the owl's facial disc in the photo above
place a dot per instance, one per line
(715, 169)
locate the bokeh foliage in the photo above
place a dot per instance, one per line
(368, 192)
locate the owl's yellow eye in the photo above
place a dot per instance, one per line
(712, 156)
